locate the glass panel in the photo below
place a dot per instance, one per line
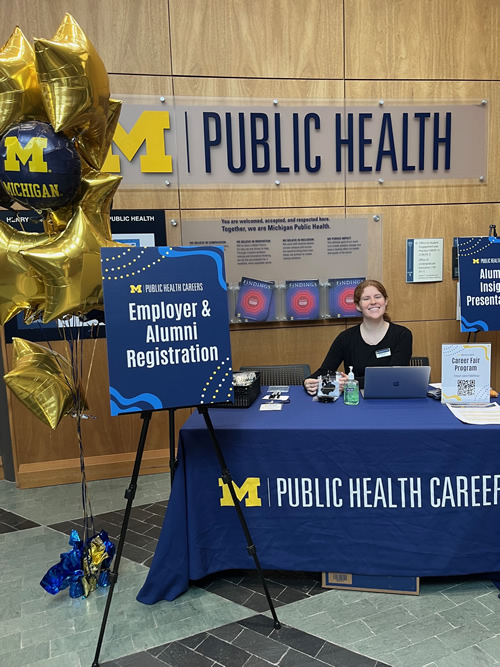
(292, 267)
(251, 143)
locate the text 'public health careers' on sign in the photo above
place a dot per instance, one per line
(479, 274)
(167, 327)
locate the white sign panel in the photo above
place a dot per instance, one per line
(466, 373)
(424, 260)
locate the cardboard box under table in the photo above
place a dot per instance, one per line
(371, 583)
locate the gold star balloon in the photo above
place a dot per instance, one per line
(20, 93)
(70, 266)
(42, 380)
(20, 286)
(75, 88)
(94, 196)
(114, 110)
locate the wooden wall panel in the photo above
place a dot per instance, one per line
(232, 196)
(263, 38)
(431, 192)
(130, 37)
(426, 301)
(423, 39)
(284, 343)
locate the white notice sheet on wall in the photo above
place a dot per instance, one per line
(424, 260)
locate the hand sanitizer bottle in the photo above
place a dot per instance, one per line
(351, 389)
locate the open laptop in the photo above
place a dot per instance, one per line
(396, 381)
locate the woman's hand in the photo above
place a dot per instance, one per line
(311, 386)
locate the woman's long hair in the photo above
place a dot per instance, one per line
(370, 283)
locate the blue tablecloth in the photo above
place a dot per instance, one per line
(383, 488)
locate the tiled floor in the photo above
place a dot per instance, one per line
(224, 620)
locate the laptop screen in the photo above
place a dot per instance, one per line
(396, 381)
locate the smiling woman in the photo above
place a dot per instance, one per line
(375, 342)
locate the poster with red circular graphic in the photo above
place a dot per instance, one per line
(254, 300)
(302, 299)
(341, 297)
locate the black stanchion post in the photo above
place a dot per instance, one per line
(226, 478)
(129, 495)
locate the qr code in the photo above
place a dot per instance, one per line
(466, 387)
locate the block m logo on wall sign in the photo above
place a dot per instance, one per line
(247, 490)
(149, 128)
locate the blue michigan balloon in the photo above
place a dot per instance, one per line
(39, 168)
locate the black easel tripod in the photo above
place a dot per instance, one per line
(130, 495)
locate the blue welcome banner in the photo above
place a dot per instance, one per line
(167, 327)
(479, 274)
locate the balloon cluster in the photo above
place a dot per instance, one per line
(56, 125)
(83, 569)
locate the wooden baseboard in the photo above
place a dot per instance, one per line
(67, 471)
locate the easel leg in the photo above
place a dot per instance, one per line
(129, 495)
(226, 478)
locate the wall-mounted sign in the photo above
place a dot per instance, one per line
(424, 260)
(204, 141)
(479, 272)
(290, 268)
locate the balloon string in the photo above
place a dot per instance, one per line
(76, 362)
(94, 332)
(75, 347)
(78, 375)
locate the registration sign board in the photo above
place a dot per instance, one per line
(167, 327)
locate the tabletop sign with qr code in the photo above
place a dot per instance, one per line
(167, 327)
(466, 373)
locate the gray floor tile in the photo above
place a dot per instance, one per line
(467, 635)
(396, 617)
(472, 656)
(263, 647)
(491, 646)
(422, 653)
(431, 626)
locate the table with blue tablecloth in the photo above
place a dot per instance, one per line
(388, 487)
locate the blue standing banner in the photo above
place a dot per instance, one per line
(167, 327)
(479, 275)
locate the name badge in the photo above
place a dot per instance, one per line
(386, 352)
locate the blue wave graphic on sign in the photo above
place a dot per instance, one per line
(494, 239)
(171, 252)
(478, 325)
(134, 402)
